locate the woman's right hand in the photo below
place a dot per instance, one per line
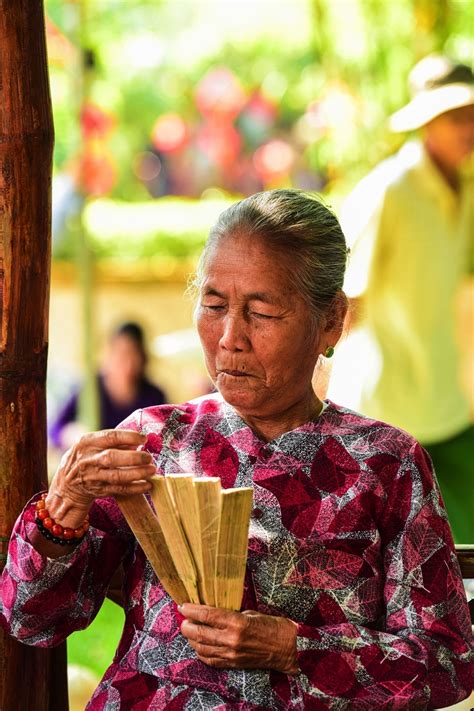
(99, 464)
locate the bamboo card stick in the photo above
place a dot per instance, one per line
(174, 536)
(232, 547)
(185, 500)
(208, 496)
(147, 530)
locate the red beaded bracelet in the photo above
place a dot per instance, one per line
(53, 531)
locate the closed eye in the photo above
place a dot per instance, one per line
(258, 314)
(213, 307)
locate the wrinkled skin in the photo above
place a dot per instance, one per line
(104, 463)
(240, 640)
(260, 338)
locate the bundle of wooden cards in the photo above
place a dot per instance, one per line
(197, 542)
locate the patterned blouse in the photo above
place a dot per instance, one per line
(348, 538)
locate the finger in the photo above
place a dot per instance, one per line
(134, 487)
(112, 458)
(214, 658)
(93, 476)
(103, 439)
(211, 651)
(101, 489)
(202, 634)
(122, 475)
(206, 615)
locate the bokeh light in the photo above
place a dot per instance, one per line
(220, 93)
(146, 166)
(169, 133)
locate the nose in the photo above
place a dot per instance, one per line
(234, 333)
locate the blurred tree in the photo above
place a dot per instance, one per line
(330, 71)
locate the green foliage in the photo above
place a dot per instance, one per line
(168, 227)
(100, 640)
(150, 62)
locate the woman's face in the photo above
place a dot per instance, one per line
(258, 336)
(124, 359)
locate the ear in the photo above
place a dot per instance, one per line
(335, 319)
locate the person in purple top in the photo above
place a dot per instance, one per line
(122, 387)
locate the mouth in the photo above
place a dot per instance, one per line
(233, 373)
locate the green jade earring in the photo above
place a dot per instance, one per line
(329, 352)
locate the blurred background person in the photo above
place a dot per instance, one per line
(410, 224)
(122, 387)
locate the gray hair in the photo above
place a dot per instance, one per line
(297, 224)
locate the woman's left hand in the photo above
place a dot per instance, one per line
(240, 640)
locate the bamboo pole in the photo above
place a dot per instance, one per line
(26, 143)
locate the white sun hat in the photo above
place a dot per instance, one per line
(437, 85)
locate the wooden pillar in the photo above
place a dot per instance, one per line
(26, 143)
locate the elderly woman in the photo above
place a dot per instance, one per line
(353, 597)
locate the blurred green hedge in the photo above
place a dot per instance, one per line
(167, 227)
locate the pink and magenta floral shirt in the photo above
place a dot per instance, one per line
(348, 538)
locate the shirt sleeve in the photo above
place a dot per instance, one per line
(422, 655)
(367, 227)
(43, 599)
